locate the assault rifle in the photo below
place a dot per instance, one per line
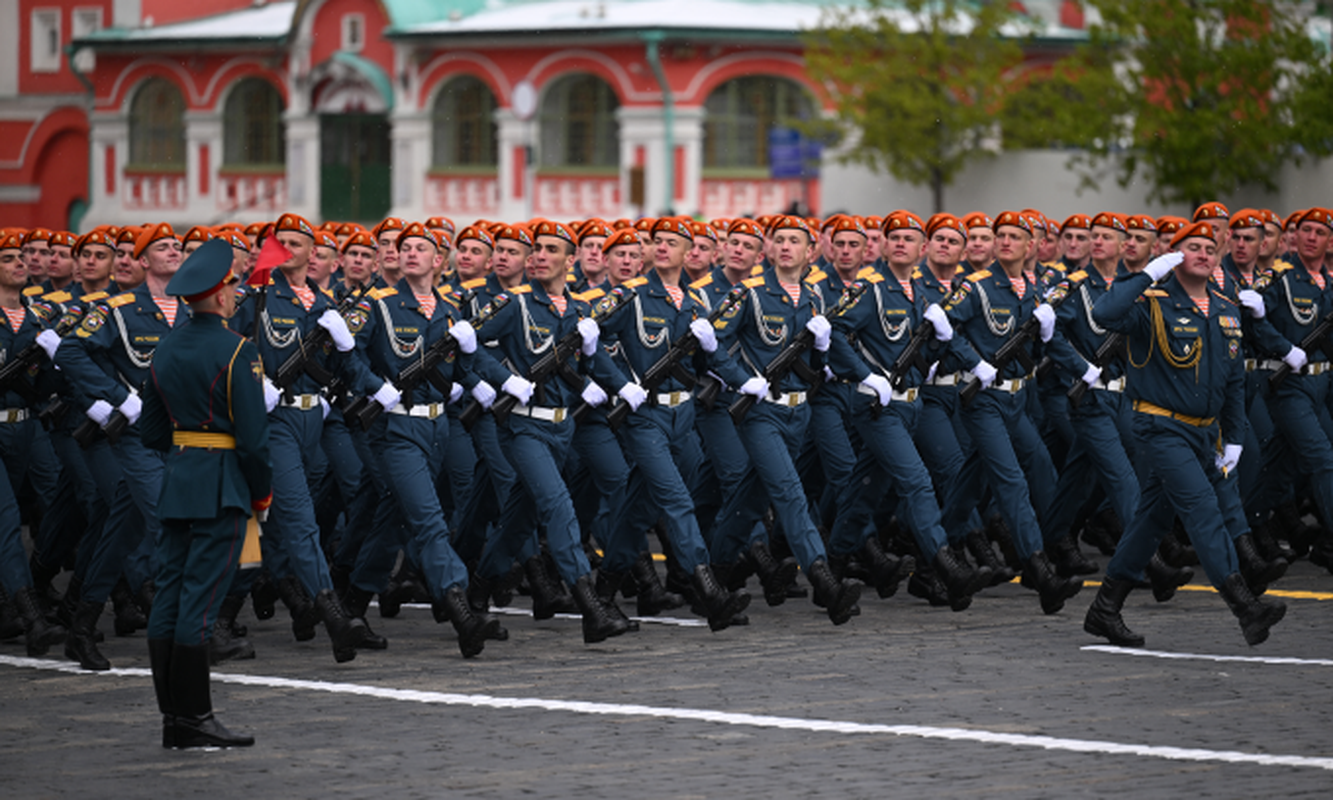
(1111, 348)
(1317, 338)
(303, 361)
(1015, 348)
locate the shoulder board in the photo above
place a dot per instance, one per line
(588, 296)
(94, 297)
(1222, 296)
(32, 291)
(522, 288)
(979, 275)
(1155, 293)
(1078, 276)
(571, 278)
(756, 270)
(445, 288)
(696, 297)
(870, 276)
(866, 272)
(61, 297)
(634, 283)
(1058, 266)
(816, 275)
(328, 292)
(475, 283)
(702, 282)
(451, 299)
(1282, 266)
(121, 299)
(751, 283)
(381, 293)
(916, 274)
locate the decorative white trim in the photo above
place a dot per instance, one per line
(702, 75)
(627, 91)
(485, 63)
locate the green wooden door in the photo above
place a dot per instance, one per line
(354, 167)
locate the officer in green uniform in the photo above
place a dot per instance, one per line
(204, 408)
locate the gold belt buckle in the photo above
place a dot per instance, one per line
(911, 395)
(675, 399)
(557, 415)
(790, 400)
(306, 405)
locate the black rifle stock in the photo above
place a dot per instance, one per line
(1111, 348)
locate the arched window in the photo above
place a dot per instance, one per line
(157, 125)
(463, 124)
(578, 123)
(253, 133)
(740, 114)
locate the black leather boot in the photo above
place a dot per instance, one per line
(549, 596)
(960, 580)
(346, 633)
(341, 577)
(225, 645)
(478, 593)
(838, 597)
(720, 606)
(1165, 579)
(1176, 549)
(79, 644)
(1053, 589)
(192, 700)
(264, 595)
(608, 584)
(651, 597)
(1069, 560)
(775, 576)
(39, 634)
(926, 584)
(11, 624)
(599, 622)
(356, 601)
(159, 658)
(473, 628)
(1288, 524)
(721, 572)
(1103, 618)
(304, 617)
(983, 552)
(1103, 531)
(1258, 572)
(1255, 616)
(997, 530)
(70, 601)
(128, 617)
(42, 576)
(883, 571)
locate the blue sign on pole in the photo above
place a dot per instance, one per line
(791, 155)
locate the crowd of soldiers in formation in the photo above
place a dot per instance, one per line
(463, 415)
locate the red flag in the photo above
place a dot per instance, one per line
(271, 255)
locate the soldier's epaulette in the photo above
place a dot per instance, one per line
(756, 270)
(870, 276)
(590, 295)
(32, 291)
(751, 283)
(445, 288)
(522, 288)
(382, 292)
(702, 282)
(121, 299)
(865, 272)
(571, 278)
(1058, 266)
(475, 283)
(634, 283)
(91, 298)
(1155, 293)
(697, 297)
(61, 296)
(1282, 266)
(448, 297)
(979, 275)
(1075, 277)
(916, 273)
(328, 292)
(816, 275)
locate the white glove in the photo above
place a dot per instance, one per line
(985, 373)
(881, 387)
(387, 396)
(1092, 375)
(99, 412)
(593, 394)
(829, 377)
(131, 408)
(521, 388)
(324, 407)
(937, 318)
(49, 341)
(1296, 358)
(703, 331)
(1158, 267)
(455, 392)
(333, 322)
(1046, 318)
(1254, 301)
(484, 393)
(755, 386)
(633, 394)
(590, 332)
(465, 335)
(271, 395)
(822, 330)
(1228, 458)
(930, 376)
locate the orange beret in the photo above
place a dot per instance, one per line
(37, 235)
(1270, 217)
(813, 223)
(1321, 215)
(594, 228)
(1051, 225)
(1014, 219)
(622, 223)
(1200, 229)
(360, 239)
(1246, 218)
(388, 224)
(872, 222)
(904, 220)
(349, 228)
(515, 233)
(1293, 219)
(255, 229)
(441, 224)
(325, 238)
(978, 219)
(151, 234)
(1211, 211)
(236, 239)
(1077, 221)
(1037, 218)
(680, 226)
(945, 220)
(719, 224)
(644, 224)
(198, 234)
(790, 222)
(477, 233)
(418, 231)
(839, 223)
(557, 229)
(1107, 219)
(63, 239)
(94, 236)
(1140, 222)
(703, 230)
(127, 235)
(12, 240)
(622, 236)
(746, 226)
(294, 223)
(1168, 225)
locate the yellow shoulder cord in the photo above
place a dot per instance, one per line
(1164, 345)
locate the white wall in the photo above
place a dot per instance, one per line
(9, 48)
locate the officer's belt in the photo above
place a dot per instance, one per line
(203, 441)
(1313, 368)
(1144, 407)
(1117, 385)
(556, 415)
(304, 402)
(905, 396)
(12, 415)
(673, 399)
(426, 410)
(789, 399)
(951, 379)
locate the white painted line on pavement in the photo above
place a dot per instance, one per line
(519, 611)
(1130, 651)
(723, 717)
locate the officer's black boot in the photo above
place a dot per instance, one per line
(396, 592)
(297, 600)
(38, 632)
(473, 627)
(1176, 549)
(721, 572)
(1290, 525)
(11, 624)
(926, 584)
(42, 576)
(997, 530)
(775, 576)
(608, 583)
(341, 577)
(960, 580)
(721, 606)
(225, 645)
(159, 658)
(1257, 571)
(1256, 616)
(192, 701)
(345, 632)
(79, 644)
(264, 595)
(983, 552)
(1103, 617)
(1103, 531)
(1165, 579)
(884, 571)
(478, 593)
(144, 597)
(356, 601)
(70, 601)
(1069, 560)
(652, 597)
(128, 617)
(1053, 589)
(599, 622)
(549, 596)
(838, 597)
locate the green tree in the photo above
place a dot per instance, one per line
(920, 80)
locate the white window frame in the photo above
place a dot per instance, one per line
(80, 20)
(353, 23)
(44, 21)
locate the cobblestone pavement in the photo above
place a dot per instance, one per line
(798, 707)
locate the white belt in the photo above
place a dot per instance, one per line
(12, 415)
(789, 399)
(1117, 385)
(1251, 364)
(556, 415)
(1313, 368)
(1009, 385)
(304, 402)
(905, 396)
(673, 399)
(952, 379)
(427, 410)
